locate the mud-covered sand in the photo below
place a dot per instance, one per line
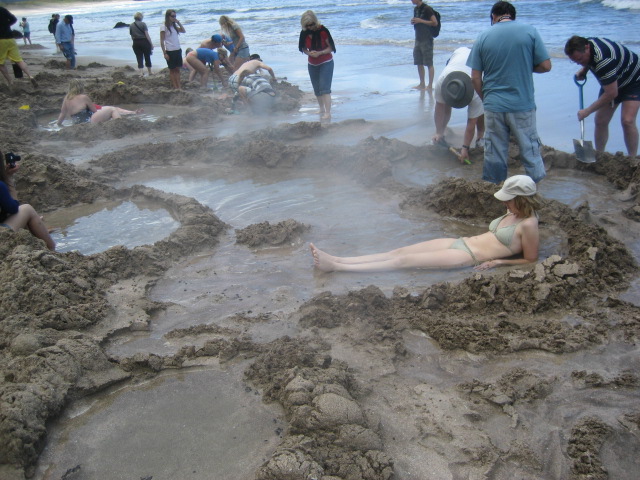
(364, 419)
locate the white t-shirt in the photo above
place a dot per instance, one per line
(171, 38)
(458, 63)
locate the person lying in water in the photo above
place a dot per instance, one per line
(81, 109)
(513, 233)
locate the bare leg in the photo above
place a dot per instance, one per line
(320, 104)
(25, 69)
(326, 108)
(432, 72)
(27, 217)
(420, 86)
(602, 119)
(629, 128)
(5, 74)
(434, 253)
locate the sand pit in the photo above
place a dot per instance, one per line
(526, 372)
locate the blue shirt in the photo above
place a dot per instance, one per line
(64, 32)
(506, 54)
(206, 55)
(611, 61)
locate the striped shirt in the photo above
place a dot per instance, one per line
(612, 61)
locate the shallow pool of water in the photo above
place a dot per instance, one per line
(203, 425)
(114, 224)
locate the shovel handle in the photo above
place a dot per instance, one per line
(580, 84)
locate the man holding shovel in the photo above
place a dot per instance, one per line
(617, 69)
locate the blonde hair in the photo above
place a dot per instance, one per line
(76, 87)
(527, 206)
(307, 18)
(138, 16)
(222, 52)
(227, 24)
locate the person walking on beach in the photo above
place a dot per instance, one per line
(81, 109)
(26, 31)
(423, 18)
(515, 232)
(454, 89)
(170, 42)
(66, 38)
(239, 48)
(316, 42)
(503, 60)
(142, 44)
(617, 69)
(9, 47)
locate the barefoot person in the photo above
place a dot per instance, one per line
(81, 109)
(316, 42)
(516, 232)
(14, 216)
(170, 43)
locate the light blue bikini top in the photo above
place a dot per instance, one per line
(503, 234)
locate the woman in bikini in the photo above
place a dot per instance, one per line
(513, 233)
(81, 109)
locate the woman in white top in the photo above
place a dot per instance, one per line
(170, 42)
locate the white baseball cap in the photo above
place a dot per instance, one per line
(516, 186)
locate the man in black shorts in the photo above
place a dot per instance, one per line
(617, 69)
(423, 18)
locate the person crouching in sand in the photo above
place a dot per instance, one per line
(81, 109)
(513, 233)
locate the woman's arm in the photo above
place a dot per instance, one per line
(63, 112)
(162, 45)
(179, 26)
(236, 44)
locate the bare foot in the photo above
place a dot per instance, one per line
(419, 87)
(325, 116)
(321, 260)
(139, 111)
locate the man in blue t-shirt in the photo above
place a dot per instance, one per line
(617, 69)
(503, 60)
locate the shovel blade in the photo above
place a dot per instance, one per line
(584, 151)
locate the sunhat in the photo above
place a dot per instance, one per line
(457, 89)
(516, 186)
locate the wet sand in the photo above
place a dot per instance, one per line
(526, 372)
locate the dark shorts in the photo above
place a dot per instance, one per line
(423, 52)
(175, 59)
(630, 93)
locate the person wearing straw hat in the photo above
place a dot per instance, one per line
(512, 234)
(455, 90)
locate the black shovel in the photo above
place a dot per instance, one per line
(584, 150)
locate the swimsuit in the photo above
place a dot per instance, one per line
(460, 244)
(503, 234)
(83, 116)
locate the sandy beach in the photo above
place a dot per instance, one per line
(217, 352)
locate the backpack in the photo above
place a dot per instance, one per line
(52, 26)
(435, 31)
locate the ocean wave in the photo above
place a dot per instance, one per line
(379, 21)
(622, 4)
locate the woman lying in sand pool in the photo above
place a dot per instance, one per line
(81, 109)
(513, 233)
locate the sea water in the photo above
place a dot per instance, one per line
(374, 39)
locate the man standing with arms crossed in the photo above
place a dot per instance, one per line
(503, 60)
(423, 18)
(617, 69)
